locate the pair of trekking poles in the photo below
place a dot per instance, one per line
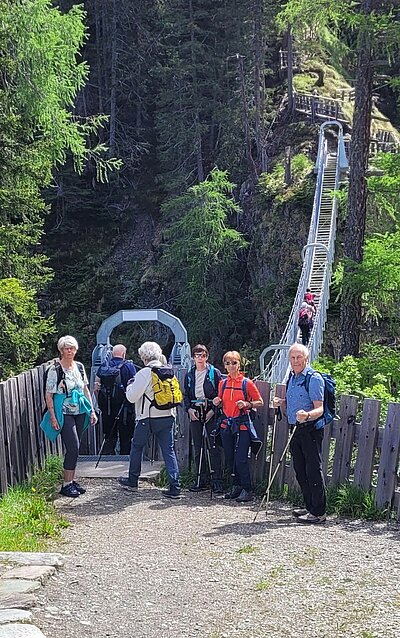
(206, 447)
(273, 472)
(118, 416)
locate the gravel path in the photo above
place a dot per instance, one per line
(142, 567)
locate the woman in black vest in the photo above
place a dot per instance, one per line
(201, 387)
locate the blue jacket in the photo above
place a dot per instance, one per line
(85, 407)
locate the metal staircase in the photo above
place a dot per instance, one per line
(318, 254)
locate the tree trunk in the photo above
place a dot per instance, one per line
(259, 84)
(198, 140)
(290, 70)
(113, 92)
(357, 200)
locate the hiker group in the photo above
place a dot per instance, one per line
(306, 316)
(136, 404)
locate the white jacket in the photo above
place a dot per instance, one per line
(142, 385)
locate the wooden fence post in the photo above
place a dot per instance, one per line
(387, 471)
(4, 446)
(182, 443)
(367, 443)
(326, 446)
(281, 438)
(345, 432)
(261, 424)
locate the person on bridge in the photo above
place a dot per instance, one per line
(67, 378)
(151, 420)
(237, 396)
(304, 409)
(201, 387)
(117, 414)
(305, 322)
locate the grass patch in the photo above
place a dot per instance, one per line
(187, 478)
(354, 502)
(247, 549)
(28, 519)
(272, 577)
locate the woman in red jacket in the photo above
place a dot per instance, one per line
(237, 395)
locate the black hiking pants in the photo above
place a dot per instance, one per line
(122, 427)
(306, 448)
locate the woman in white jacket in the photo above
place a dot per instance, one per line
(150, 420)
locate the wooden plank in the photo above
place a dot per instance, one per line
(344, 439)
(31, 418)
(37, 405)
(4, 460)
(281, 438)
(326, 447)
(261, 424)
(387, 472)
(14, 432)
(367, 443)
(25, 449)
(182, 443)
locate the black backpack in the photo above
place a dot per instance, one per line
(304, 319)
(112, 391)
(60, 375)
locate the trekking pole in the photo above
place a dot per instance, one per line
(207, 454)
(275, 472)
(233, 473)
(153, 448)
(111, 431)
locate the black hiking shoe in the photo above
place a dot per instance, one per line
(245, 497)
(234, 492)
(81, 490)
(172, 492)
(218, 487)
(201, 488)
(69, 490)
(127, 485)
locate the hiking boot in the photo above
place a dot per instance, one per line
(244, 497)
(127, 485)
(310, 519)
(69, 490)
(300, 512)
(81, 490)
(218, 487)
(234, 492)
(198, 488)
(172, 492)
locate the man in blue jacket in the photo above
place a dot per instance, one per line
(117, 414)
(304, 406)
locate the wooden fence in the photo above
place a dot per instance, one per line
(23, 445)
(364, 453)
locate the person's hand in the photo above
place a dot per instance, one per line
(277, 402)
(54, 423)
(93, 418)
(209, 415)
(193, 415)
(302, 416)
(242, 404)
(217, 401)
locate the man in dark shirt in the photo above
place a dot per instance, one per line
(118, 415)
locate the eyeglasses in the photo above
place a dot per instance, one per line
(199, 355)
(231, 363)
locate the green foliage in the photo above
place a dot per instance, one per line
(41, 77)
(272, 184)
(27, 518)
(199, 258)
(354, 502)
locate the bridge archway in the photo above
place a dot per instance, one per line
(180, 356)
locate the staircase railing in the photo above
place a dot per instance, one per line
(278, 368)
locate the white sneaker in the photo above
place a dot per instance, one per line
(301, 512)
(310, 519)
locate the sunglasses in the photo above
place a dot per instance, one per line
(200, 355)
(231, 363)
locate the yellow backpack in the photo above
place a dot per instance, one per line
(167, 392)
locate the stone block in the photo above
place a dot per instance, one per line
(31, 572)
(20, 631)
(32, 558)
(15, 586)
(14, 615)
(17, 601)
